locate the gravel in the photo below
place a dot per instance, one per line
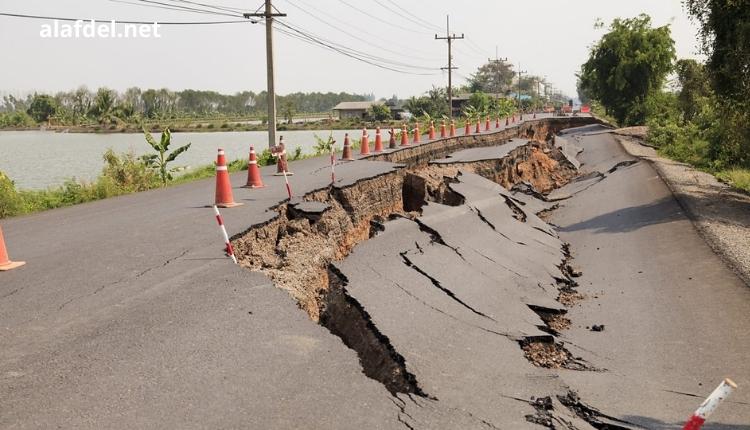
(720, 213)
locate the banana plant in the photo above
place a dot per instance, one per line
(159, 161)
(471, 113)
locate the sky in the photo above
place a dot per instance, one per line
(546, 37)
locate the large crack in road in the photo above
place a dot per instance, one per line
(451, 228)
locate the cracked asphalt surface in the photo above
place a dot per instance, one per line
(99, 331)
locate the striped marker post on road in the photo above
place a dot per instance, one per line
(333, 165)
(220, 220)
(710, 404)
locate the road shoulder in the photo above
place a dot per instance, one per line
(720, 213)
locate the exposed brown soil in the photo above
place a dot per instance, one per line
(569, 298)
(297, 249)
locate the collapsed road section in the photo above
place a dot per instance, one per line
(440, 275)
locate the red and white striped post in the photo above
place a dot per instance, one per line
(710, 404)
(229, 248)
(282, 164)
(333, 166)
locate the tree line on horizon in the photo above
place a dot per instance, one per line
(107, 106)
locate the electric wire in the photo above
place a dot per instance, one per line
(357, 37)
(348, 52)
(428, 24)
(54, 18)
(406, 17)
(380, 19)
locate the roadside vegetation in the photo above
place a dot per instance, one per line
(696, 113)
(122, 174)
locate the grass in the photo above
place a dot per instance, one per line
(736, 177)
(122, 174)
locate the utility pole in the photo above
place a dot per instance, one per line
(450, 38)
(269, 15)
(497, 61)
(519, 84)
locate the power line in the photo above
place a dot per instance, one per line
(348, 52)
(406, 17)
(307, 6)
(427, 24)
(19, 15)
(380, 19)
(378, 36)
(211, 6)
(135, 3)
(356, 52)
(190, 9)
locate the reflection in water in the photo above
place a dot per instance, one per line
(36, 159)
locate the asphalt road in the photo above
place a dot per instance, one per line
(675, 317)
(127, 315)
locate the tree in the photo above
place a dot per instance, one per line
(158, 161)
(380, 112)
(287, 111)
(104, 104)
(694, 87)
(434, 104)
(480, 101)
(42, 107)
(629, 64)
(493, 77)
(725, 36)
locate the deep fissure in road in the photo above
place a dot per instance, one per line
(297, 247)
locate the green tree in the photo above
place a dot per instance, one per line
(493, 77)
(480, 101)
(380, 112)
(42, 107)
(694, 87)
(629, 64)
(725, 36)
(159, 161)
(287, 111)
(104, 104)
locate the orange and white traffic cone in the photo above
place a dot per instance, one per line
(417, 133)
(253, 172)
(431, 134)
(378, 140)
(467, 128)
(453, 128)
(5, 263)
(365, 144)
(224, 197)
(514, 119)
(478, 128)
(442, 129)
(534, 114)
(405, 136)
(487, 124)
(507, 121)
(346, 154)
(392, 140)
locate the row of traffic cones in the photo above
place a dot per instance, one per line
(225, 199)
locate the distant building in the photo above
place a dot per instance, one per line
(345, 110)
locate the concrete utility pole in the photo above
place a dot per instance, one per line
(450, 38)
(497, 61)
(519, 84)
(268, 14)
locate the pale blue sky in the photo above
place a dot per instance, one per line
(548, 37)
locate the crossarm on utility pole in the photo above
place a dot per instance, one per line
(450, 38)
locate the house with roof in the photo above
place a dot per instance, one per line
(346, 110)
